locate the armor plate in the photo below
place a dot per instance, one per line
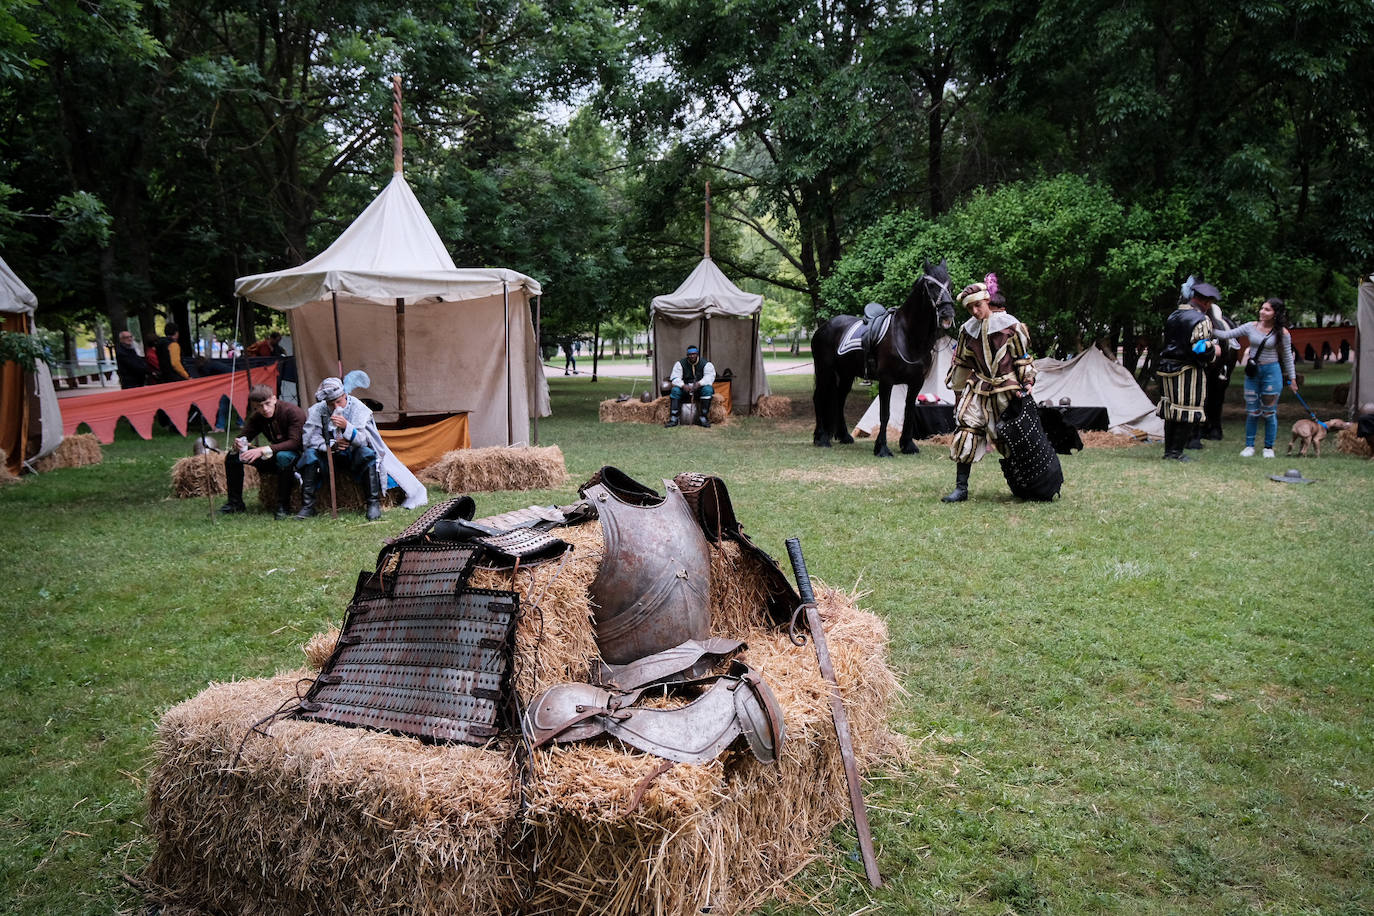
(652, 590)
(1178, 336)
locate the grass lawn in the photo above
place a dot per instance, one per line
(1155, 695)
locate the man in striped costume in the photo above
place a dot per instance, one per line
(990, 366)
(1188, 348)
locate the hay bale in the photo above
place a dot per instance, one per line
(441, 829)
(774, 406)
(202, 475)
(6, 475)
(350, 494)
(485, 470)
(1350, 442)
(79, 451)
(656, 411)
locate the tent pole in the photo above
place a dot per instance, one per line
(754, 362)
(338, 340)
(708, 220)
(401, 354)
(505, 319)
(538, 349)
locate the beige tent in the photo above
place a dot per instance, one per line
(30, 419)
(1362, 384)
(720, 318)
(434, 338)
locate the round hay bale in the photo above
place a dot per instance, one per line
(485, 470)
(1350, 442)
(79, 451)
(774, 406)
(203, 475)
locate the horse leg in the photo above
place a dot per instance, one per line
(820, 401)
(907, 442)
(839, 428)
(880, 449)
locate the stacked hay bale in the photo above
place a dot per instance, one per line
(1349, 441)
(774, 406)
(656, 411)
(486, 470)
(319, 817)
(6, 476)
(203, 475)
(79, 451)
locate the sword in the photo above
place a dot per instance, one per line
(329, 466)
(837, 713)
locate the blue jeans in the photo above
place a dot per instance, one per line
(357, 461)
(1262, 401)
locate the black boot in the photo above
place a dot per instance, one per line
(674, 412)
(704, 412)
(373, 479)
(960, 492)
(310, 477)
(1193, 433)
(233, 484)
(286, 482)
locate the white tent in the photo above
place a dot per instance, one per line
(433, 338)
(933, 388)
(730, 341)
(1362, 383)
(1090, 379)
(30, 419)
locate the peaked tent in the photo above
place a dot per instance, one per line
(1092, 379)
(1362, 383)
(684, 316)
(434, 338)
(30, 419)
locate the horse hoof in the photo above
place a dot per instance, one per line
(882, 452)
(846, 439)
(911, 448)
(821, 443)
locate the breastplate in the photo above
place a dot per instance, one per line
(652, 591)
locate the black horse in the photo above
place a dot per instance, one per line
(1218, 374)
(903, 357)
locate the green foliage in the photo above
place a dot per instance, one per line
(21, 348)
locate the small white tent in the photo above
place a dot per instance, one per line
(433, 338)
(30, 419)
(1362, 383)
(933, 389)
(731, 341)
(1090, 379)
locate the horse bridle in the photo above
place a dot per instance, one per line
(944, 287)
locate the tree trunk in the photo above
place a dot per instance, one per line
(596, 346)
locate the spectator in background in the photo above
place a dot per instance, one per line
(269, 346)
(133, 369)
(170, 359)
(1268, 367)
(150, 357)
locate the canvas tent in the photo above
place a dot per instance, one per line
(720, 318)
(1090, 379)
(1362, 383)
(30, 420)
(433, 338)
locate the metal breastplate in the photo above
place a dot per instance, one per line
(652, 590)
(1178, 336)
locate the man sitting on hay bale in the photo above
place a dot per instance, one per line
(282, 424)
(341, 427)
(692, 376)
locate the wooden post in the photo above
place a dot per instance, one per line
(396, 122)
(505, 319)
(401, 356)
(708, 219)
(539, 353)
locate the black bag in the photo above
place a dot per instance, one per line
(1251, 369)
(1031, 467)
(1252, 364)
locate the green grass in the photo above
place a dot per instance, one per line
(1152, 696)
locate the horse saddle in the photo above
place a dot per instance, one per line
(865, 334)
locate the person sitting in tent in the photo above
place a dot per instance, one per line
(991, 364)
(282, 424)
(691, 376)
(339, 427)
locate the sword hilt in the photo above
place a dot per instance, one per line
(794, 553)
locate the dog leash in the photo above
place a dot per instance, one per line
(1309, 410)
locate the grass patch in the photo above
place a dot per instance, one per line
(1153, 695)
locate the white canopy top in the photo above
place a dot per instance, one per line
(708, 292)
(390, 252)
(14, 295)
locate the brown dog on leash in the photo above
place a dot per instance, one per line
(1311, 433)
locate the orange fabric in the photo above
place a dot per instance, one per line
(13, 403)
(140, 405)
(722, 390)
(1318, 336)
(421, 445)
